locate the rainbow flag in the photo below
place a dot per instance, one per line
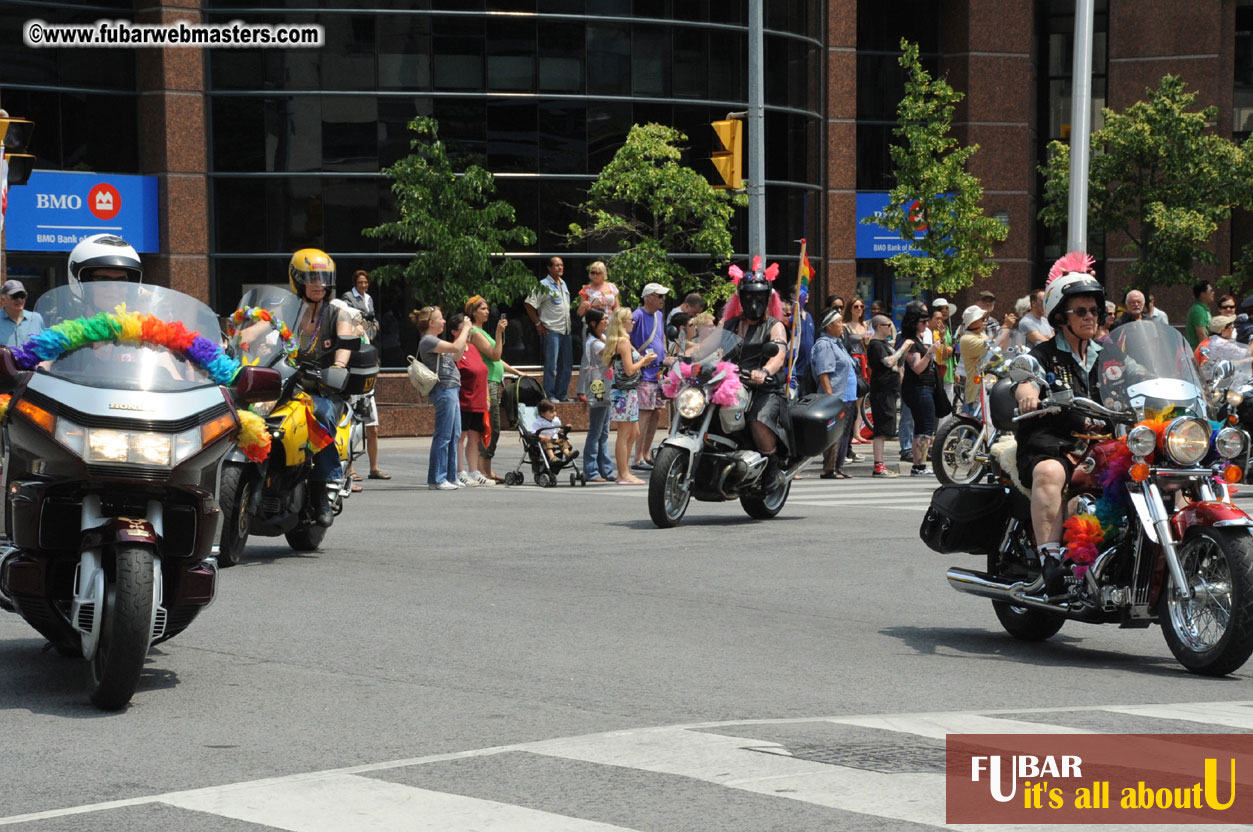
(802, 279)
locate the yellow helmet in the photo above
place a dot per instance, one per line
(310, 265)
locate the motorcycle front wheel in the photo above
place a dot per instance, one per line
(306, 538)
(954, 453)
(234, 493)
(125, 629)
(763, 507)
(668, 490)
(1211, 633)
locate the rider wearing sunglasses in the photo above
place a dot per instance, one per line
(1074, 305)
(17, 325)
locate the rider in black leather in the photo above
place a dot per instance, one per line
(756, 330)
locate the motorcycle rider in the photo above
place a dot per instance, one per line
(757, 323)
(326, 342)
(103, 258)
(1048, 447)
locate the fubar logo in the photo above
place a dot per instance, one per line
(1099, 778)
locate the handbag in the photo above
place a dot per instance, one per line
(420, 375)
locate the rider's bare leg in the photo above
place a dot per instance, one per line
(1048, 479)
(763, 438)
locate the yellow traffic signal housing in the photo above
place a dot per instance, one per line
(730, 160)
(15, 133)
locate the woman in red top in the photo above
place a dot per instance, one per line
(475, 425)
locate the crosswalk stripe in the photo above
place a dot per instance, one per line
(1229, 714)
(345, 801)
(936, 726)
(737, 763)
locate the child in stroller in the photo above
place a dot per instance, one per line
(525, 398)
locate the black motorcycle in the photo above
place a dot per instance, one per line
(110, 478)
(709, 454)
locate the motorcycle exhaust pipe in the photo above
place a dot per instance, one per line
(1018, 593)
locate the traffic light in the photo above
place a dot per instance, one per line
(730, 160)
(15, 135)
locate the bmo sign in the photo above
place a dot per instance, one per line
(56, 209)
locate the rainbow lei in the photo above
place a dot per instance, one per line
(255, 314)
(125, 327)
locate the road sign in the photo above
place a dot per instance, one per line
(874, 242)
(57, 209)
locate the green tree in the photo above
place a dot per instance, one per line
(935, 190)
(1160, 175)
(459, 232)
(649, 204)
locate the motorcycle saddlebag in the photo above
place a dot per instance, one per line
(966, 518)
(363, 369)
(816, 423)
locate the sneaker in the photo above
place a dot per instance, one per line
(479, 479)
(443, 486)
(907, 456)
(852, 457)
(642, 465)
(881, 470)
(463, 479)
(924, 471)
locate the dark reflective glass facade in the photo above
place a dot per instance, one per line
(540, 92)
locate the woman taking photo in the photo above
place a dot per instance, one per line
(856, 337)
(624, 405)
(491, 349)
(472, 400)
(918, 387)
(597, 466)
(441, 357)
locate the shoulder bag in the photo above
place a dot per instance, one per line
(421, 376)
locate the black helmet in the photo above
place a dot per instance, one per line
(754, 294)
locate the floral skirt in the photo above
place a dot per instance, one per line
(624, 405)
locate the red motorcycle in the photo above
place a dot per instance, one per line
(1152, 533)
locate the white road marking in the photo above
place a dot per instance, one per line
(344, 801)
(1230, 714)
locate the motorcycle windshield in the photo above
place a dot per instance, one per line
(259, 341)
(1160, 374)
(707, 344)
(114, 365)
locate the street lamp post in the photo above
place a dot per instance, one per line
(1080, 128)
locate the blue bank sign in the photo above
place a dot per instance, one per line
(56, 209)
(874, 242)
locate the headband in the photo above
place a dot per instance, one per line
(473, 302)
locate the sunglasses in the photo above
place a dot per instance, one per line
(838, 308)
(1082, 311)
(18, 296)
(1221, 306)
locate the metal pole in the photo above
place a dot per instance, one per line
(756, 132)
(1080, 128)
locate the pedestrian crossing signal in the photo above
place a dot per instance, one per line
(729, 161)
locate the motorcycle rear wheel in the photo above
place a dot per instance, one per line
(1027, 623)
(234, 494)
(668, 493)
(957, 443)
(764, 507)
(1212, 633)
(126, 629)
(306, 538)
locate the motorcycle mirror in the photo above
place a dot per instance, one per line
(1026, 368)
(8, 371)
(257, 384)
(770, 350)
(672, 333)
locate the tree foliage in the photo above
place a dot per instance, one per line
(649, 204)
(1160, 175)
(459, 232)
(932, 175)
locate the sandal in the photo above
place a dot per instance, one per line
(840, 475)
(356, 489)
(356, 477)
(376, 474)
(828, 475)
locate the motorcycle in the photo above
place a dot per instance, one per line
(119, 414)
(273, 496)
(1153, 535)
(709, 454)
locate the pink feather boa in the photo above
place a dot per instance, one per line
(726, 394)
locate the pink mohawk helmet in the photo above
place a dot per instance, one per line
(1074, 261)
(733, 308)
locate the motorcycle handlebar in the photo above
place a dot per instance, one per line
(1084, 406)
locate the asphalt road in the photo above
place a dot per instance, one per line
(526, 658)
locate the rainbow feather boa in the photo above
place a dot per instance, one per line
(253, 314)
(125, 327)
(725, 395)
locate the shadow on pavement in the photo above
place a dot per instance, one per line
(42, 681)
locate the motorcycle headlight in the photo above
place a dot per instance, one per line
(1141, 440)
(138, 447)
(691, 402)
(1187, 440)
(1229, 443)
(1234, 398)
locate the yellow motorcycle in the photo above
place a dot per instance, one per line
(270, 494)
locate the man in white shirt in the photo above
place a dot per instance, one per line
(1033, 324)
(549, 309)
(358, 297)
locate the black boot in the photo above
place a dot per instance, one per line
(1056, 571)
(773, 475)
(322, 512)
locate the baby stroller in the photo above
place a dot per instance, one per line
(520, 399)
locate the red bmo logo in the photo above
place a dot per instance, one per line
(104, 201)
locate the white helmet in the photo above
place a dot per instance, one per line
(104, 251)
(1069, 285)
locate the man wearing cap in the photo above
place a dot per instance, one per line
(974, 345)
(649, 335)
(549, 309)
(987, 302)
(17, 325)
